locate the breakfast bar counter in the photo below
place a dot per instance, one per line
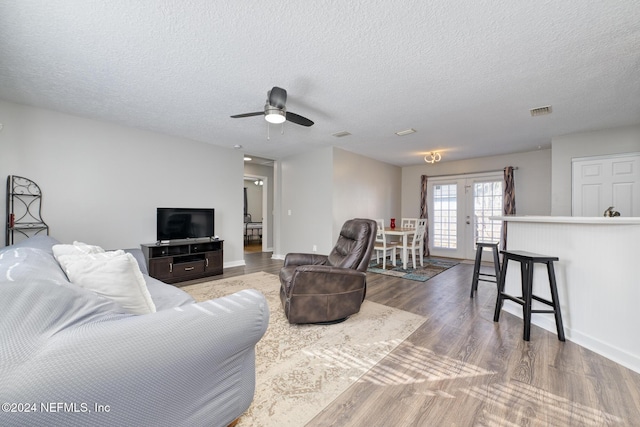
(597, 276)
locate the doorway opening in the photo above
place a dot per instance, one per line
(258, 204)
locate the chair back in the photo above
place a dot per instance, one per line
(355, 245)
(421, 229)
(409, 222)
(380, 230)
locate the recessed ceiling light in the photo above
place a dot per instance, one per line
(406, 132)
(247, 159)
(237, 146)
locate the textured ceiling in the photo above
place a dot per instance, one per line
(463, 73)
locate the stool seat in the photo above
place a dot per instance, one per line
(526, 256)
(483, 277)
(526, 260)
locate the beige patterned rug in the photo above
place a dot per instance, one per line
(300, 369)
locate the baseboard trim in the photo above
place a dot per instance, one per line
(624, 358)
(239, 263)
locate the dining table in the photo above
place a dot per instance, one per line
(404, 233)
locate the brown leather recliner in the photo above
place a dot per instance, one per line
(328, 289)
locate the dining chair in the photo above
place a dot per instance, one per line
(416, 243)
(408, 222)
(382, 246)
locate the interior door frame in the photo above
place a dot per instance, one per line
(265, 204)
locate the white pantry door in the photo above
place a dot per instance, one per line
(603, 181)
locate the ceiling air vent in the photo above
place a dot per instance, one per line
(341, 134)
(540, 111)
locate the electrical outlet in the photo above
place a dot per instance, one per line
(315, 248)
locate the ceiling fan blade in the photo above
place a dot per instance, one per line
(277, 97)
(257, 113)
(297, 119)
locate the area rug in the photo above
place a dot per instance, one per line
(431, 267)
(300, 369)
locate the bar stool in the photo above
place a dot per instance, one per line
(476, 268)
(526, 260)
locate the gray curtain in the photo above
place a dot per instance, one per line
(424, 211)
(508, 202)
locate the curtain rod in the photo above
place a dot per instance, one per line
(515, 168)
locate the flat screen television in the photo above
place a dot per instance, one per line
(185, 223)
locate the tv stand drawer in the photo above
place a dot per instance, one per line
(184, 269)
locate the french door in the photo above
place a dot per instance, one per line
(459, 211)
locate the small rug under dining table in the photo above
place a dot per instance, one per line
(432, 266)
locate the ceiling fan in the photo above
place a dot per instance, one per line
(275, 110)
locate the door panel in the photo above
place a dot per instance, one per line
(603, 181)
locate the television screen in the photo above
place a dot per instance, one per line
(184, 223)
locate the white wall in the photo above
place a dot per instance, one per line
(364, 188)
(532, 179)
(101, 183)
(306, 191)
(596, 143)
(325, 188)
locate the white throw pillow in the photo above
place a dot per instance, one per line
(115, 275)
(75, 249)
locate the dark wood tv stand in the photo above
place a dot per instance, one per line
(183, 260)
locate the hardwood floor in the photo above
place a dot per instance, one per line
(253, 246)
(462, 369)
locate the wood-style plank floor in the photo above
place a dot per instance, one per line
(462, 369)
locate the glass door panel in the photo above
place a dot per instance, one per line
(487, 202)
(445, 212)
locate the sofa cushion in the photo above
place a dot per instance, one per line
(24, 267)
(166, 296)
(114, 274)
(37, 242)
(24, 264)
(35, 310)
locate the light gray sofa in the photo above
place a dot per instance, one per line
(70, 357)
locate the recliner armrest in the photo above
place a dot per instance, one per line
(304, 259)
(319, 279)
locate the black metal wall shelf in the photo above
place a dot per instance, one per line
(24, 209)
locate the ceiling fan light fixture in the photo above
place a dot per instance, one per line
(274, 115)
